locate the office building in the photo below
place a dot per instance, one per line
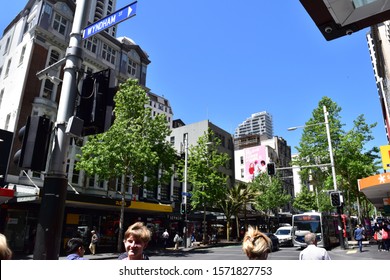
(258, 123)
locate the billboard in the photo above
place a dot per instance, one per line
(255, 161)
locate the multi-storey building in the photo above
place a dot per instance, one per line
(37, 38)
(259, 123)
(375, 187)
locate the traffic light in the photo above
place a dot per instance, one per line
(271, 168)
(35, 137)
(96, 103)
(182, 208)
(335, 199)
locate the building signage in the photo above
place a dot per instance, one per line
(110, 20)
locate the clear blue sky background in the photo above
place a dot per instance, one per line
(224, 60)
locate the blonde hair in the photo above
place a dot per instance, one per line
(256, 245)
(5, 251)
(139, 231)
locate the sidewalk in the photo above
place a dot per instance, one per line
(148, 252)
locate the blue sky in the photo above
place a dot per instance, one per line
(224, 60)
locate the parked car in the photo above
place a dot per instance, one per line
(284, 234)
(275, 241)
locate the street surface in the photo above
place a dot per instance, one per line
(234, 252)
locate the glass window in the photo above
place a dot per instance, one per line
(22, 55)
(8, 67)
(131, 67)
(91, 44)
(54, 57)
(48, 89)
(60, 23)
(7, 45)
(1, 96)
(108, 53)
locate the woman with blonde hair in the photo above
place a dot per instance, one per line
(5, 251)
(256, 245)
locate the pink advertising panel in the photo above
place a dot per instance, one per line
(255, 162)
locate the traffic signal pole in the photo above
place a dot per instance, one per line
(339, 209)
(51, 216)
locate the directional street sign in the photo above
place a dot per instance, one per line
(110, 20)
(186, 194)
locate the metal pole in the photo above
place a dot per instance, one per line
(185, 233)
(330, 149)
(339, 210)
(49, 229)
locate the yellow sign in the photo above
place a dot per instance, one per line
(385, 153)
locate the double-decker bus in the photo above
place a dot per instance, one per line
(324, 226)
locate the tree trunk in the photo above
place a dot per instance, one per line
(228, 229)
(238, 228)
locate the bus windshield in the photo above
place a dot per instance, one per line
(307, 222)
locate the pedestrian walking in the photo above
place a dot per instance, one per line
(193, 239)
(312, 252)
(359, 236)
(5, 251)
(378, 238)
(165, 237)
(385, 237)
(75, 249)
(94, 241)
(177, 240)
(137, 237)
(256, 245)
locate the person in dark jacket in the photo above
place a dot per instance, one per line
(359, 236)
(75, 249)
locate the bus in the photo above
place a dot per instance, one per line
(324, 225)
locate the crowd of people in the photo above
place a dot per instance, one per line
(256, 245)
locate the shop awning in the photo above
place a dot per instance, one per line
(139, 205)
(376, 188)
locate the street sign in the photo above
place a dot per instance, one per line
(186, 194)
(110, 20)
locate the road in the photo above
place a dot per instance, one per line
(234, 252)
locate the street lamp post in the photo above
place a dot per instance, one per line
(184, 197)
(339, 209)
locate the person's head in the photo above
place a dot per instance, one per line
(5, 251)
(93, 232)
(310, 239)
(75, 246)
(262, 162)
(137, 237)
(256, 245)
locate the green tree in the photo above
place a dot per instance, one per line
(271, 194)
(352, 161)
(204, 173)
(305, 200)
(235, 199)
(313, 148)
(134, 148)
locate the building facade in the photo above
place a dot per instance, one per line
(37, 39)
(259, 123)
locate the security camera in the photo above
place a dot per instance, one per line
(349, 32)
(328, 29)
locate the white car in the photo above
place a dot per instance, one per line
(284, 234)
